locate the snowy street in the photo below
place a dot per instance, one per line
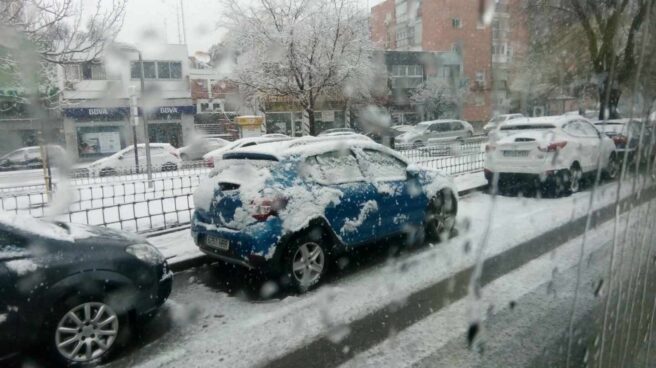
(420, 316)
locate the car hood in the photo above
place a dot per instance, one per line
(86, 235)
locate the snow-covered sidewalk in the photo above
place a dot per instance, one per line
(179, 247)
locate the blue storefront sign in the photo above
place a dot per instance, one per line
(122, 112)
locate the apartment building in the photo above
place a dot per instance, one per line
(96, 96)
(487, 51)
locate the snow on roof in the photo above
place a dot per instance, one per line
(436, 121)
(554, 120)
(35, 226)
(307, 146)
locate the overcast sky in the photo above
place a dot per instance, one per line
(202, 21)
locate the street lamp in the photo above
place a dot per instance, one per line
(149, 170)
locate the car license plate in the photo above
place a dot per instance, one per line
(515, 153)
(218, 243)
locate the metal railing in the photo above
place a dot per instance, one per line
(453, 157)
(127, 202)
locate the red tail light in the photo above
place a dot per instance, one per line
(209, 162)
(620, 139)
(266, 207)
(553, 147)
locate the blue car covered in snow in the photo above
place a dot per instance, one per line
(289, 207)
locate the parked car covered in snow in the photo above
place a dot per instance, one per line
(30, 158)
(557, 150)
(290, 207)
(496, 121)
(434, 131)
(626, 134)
(200, 146)
(74, 290)
(337, 131)
(163, 157)
(213, 157)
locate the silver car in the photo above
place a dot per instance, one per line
(434, 131)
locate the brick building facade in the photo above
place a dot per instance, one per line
(487, 52)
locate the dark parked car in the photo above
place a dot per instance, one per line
(73, 290)
(625, 133)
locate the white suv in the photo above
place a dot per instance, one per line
(557, 150)
(163, 157)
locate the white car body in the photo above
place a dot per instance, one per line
(434, 132)
(211, 157)
(201, 146)
(498, 120)
(163, 157)
(547, 145)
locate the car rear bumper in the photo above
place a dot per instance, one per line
(252, 247)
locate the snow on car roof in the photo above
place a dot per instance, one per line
(436, 121)
(307, 146)
(553, 120)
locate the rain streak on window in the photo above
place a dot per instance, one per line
(351, 183)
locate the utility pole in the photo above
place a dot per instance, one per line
(134, 117)
(149, 169)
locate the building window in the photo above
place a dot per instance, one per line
(90, 70)
(456, 23)
(480, 78)
(157, 70)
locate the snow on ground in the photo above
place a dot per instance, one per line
(440, 339)
(252, 333)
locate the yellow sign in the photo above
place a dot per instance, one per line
(249, 120)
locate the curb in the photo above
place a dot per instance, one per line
(202, 259)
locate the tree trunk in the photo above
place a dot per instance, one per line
(313, 128)
(611, 105)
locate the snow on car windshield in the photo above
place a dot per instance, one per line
(291, 183)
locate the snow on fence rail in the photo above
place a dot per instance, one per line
(129, 204)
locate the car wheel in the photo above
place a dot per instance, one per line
(613, 167)
(86, 332)
(306, 262)
(169, 166)
(107, 172)
(441, 216)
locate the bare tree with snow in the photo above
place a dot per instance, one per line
(37, 35)
(301, 51)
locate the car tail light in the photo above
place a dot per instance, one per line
(489, 148)
(263, 208)
(553, 147)
(209, 162)
(620, 139)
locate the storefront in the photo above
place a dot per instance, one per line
(165, 124)
(290, 122)
(95, 132)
